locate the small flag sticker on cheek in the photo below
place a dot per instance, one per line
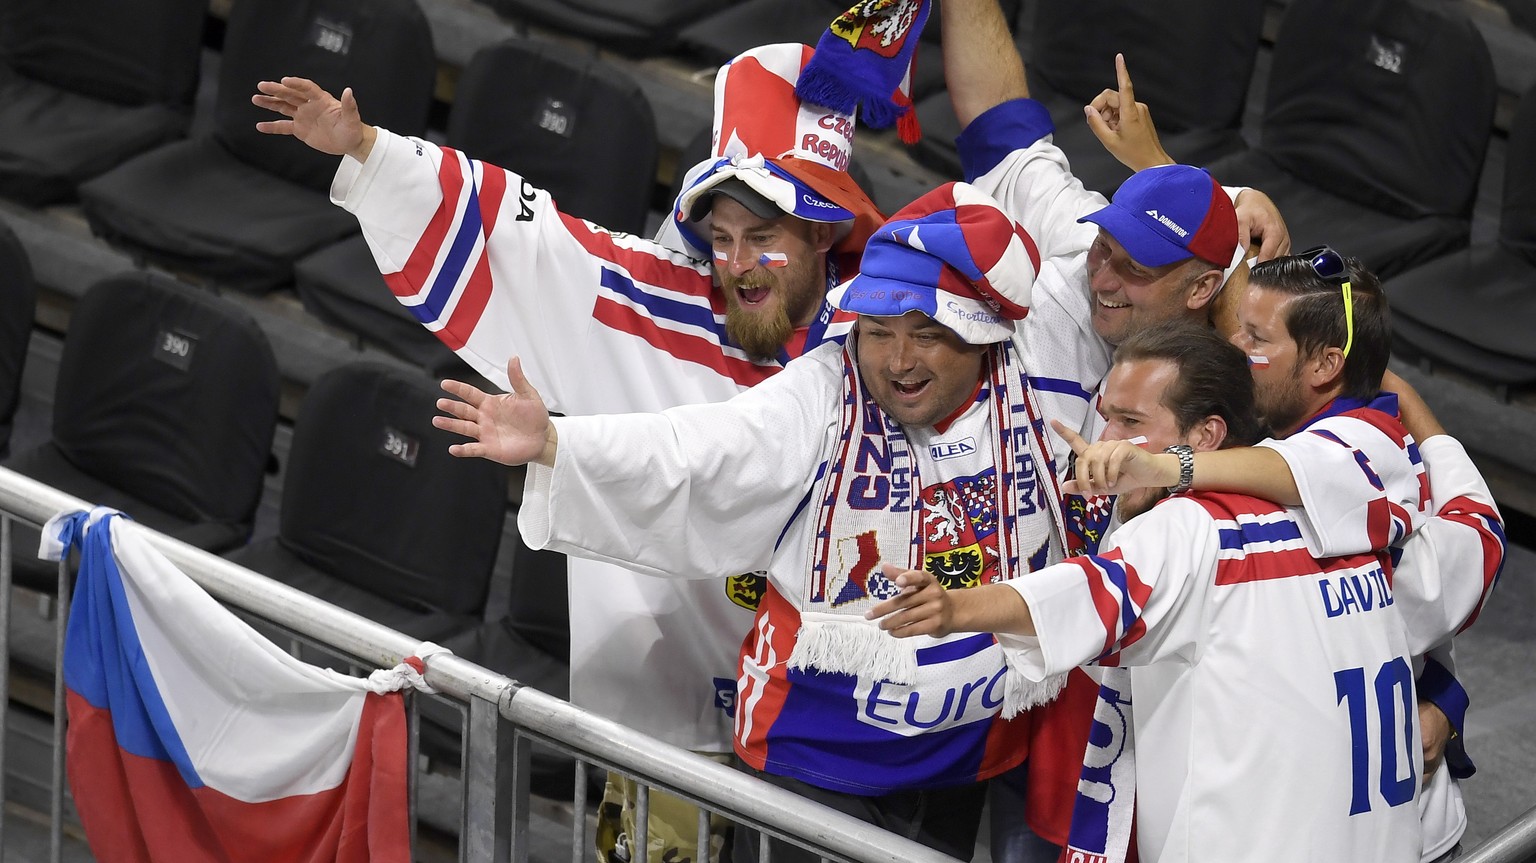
(721, 257)
(1258, 362)
(1139, 440)
(774, 259)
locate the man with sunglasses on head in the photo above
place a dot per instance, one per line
(1316, 330)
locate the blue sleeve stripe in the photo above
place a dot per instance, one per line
(660, 308)
(1000, 130)
(1060, 385)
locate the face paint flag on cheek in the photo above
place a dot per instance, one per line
(1258, 362)
(721, 258)
(1139, 440)
(774, 259)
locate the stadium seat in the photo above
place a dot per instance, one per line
(18, 299)
(732, 28)
(375, 516)
(1375, 127)
(238, 206)
(1474, 310)
(164, 408)
(575, 126)
(82, 92)
(639, 27)
(1198, 106)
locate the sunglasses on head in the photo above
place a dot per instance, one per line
(1329, 266)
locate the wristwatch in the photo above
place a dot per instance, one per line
(1186, 455)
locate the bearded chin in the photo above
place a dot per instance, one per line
(760, 334)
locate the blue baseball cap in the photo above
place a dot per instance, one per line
(1171, 213)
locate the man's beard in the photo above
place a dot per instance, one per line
(762, 333)
(1284, 408)
(1134, 503)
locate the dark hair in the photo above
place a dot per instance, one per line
(1315, 317)
(1213, 377)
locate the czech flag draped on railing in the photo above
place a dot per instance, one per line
(192, 737)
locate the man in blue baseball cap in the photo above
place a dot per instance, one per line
(1165, 241)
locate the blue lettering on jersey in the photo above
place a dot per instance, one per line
(725, 695)
(912, 708)
(1351, 593)
(941, 451)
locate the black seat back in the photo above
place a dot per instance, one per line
(1191, 61)
(132, 52)
(18, 304)
(382, 49)
(372, 497)
(170, 393)
(1517, 217)
(1387, 103)
(573, 125)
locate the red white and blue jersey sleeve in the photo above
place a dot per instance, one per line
(487, 262)
(1447, 569)
(1136, 602)
(1361, 479)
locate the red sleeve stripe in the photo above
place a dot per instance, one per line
(417, 271)
(1118, 595)
(1490, 530)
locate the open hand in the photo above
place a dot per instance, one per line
(315, 117)
(510, 428)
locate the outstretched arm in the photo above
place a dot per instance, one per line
(511, 428)
(315, 117)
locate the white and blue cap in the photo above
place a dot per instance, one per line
(762, 186)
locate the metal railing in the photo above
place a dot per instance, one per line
(504, 720)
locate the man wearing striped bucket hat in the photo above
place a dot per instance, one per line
(917, 443)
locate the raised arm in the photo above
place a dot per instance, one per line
(1124, 126)
(982, 66)
(315, 117)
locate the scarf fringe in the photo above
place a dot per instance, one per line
(841, 645)
(1020, 693)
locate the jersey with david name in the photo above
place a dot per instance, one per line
(1275, 715)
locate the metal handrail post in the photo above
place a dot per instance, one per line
(1516, 843)
(484, 834)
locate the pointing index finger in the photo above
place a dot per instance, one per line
(1072, 438)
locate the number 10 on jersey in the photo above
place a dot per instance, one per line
(1385, 699)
